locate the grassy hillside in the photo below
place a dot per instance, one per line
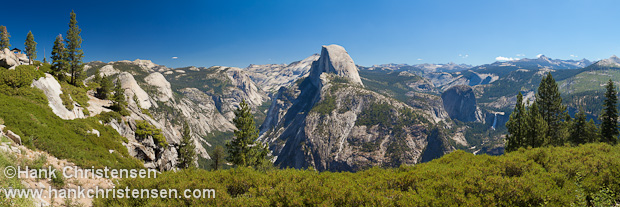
(554, 176)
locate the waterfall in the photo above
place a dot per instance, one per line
(494, 121)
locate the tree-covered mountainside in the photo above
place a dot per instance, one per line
(548, 176)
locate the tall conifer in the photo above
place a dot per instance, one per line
(31, 47)
(516, 126)
(551, 109)
(537, 128)
(578, 131)
(609, 122)
(4, 38)
(243, 149)
(74, 51)
(59, 60)
(186, 150)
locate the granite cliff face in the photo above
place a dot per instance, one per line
(171, 97)
(330, 122)
(271, 77)
(334, 60)
(460, 103)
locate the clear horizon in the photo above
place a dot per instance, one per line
(240, 33)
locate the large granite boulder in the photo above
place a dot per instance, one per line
(10, 59)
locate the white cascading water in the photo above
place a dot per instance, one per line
(494, 121)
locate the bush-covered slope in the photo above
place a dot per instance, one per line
(39, 127)
(25, 111)
(554, 176)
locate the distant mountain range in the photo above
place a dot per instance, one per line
(327, 113)
(540, 62)
(424, 68)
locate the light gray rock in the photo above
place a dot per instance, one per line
(460, 103)
(132, 88)
(2, 130)
(108, 70)
(95, 132)
(335, 59)
(50, 86)
(10, 60)
(14, 137)
(271, 77)
(164, 92)
(330, 139)
(247, 89)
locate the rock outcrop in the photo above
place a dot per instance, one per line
(10, 59)
(133, 89)
(334, 125)
(206, 110)
(16, 138)
(247, 89)
(336, 60)
(271, 77)
(50, 86)
(153, 155)
(460, 103)
(108, 70)
(164, 92)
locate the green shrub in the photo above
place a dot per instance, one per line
(30, 94)
(325, 106)
(65, 139)
(146, 111)
(107, 117)
(21, 76)
(66, 101)
(376, 113)
(38, 163)
(78, 94)
(58, 180)
(549, 176)
(144, 129)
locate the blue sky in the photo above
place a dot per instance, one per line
(239, 33)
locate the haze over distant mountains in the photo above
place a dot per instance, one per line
(541, 61)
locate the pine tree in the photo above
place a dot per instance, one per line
(217, 157)
(103, 92)
(551, 109)
(516, 126)
(578, 131)
(59, 62)
(609, 125)
(31, 47)
(243, 149)
(119, 97)
(4, 38)
(119, 100)
(74, 51)
(592, 134)
(97, 78)
(186, 150)
(536, 133)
